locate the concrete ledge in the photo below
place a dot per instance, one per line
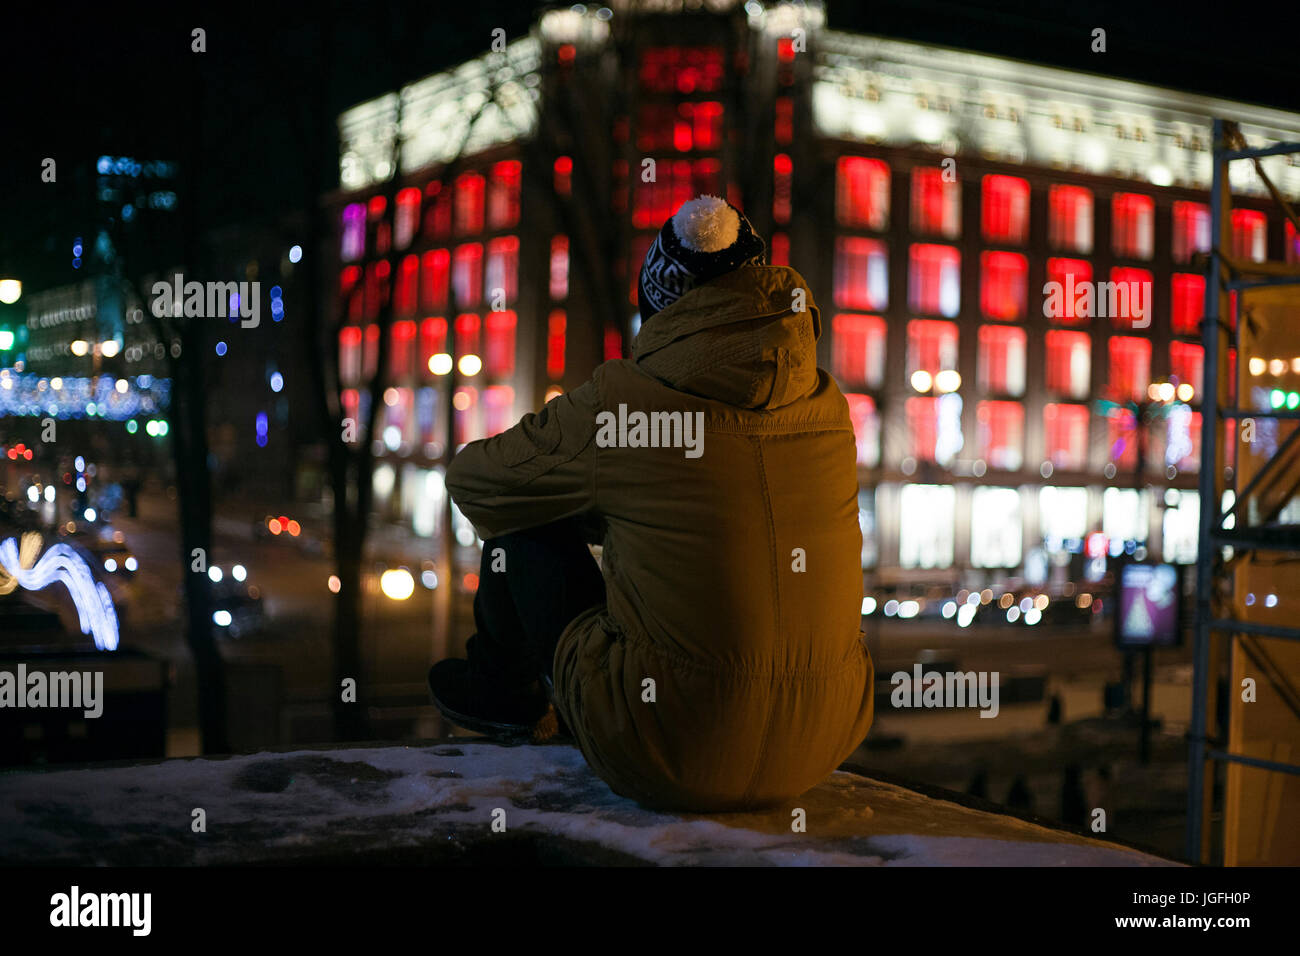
(435, 803)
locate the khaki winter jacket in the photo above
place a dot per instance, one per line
(727, 669)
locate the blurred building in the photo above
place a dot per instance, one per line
(930, 197)
(80, 351)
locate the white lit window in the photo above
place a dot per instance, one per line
(1062, 515)
(995, 528)
(925, 526)
(1181, 526)
(1123, 516)
(867, 523)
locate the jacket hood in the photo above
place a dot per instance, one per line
(736, 339)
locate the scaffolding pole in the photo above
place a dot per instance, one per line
(1225, 274)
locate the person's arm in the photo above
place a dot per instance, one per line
(541, 470)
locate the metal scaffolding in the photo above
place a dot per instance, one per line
(1227, 274)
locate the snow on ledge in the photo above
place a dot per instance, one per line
(435, 804)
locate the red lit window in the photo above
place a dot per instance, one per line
(1132, 225)
(1186, 362)
(1187, 303)
(862, 193)
(498, 406)
(1002, 360)
(354, 232)
(1183, 439)
(928, 430)
(676, 181)
(1130, 368)
(503, 194)
(1292, 243)
(934, 280)
(408, 279)
(782, 187)
(1003, 285)
(936, 205)
(351, 408)
(780, 249)
(436, 269)
(931, 346)
(1005, 209)
(706, 178)
(783, 126)
(399, 413)
(1069, 218)
(401, 344)
(681, 69)
(866, 428)
(563, 171)
(469, 203)
(555, 333)
(1065, 429)
(858, 350)
(499, 355)
(502, 274)
(1069, 363)
(1249, 235)
(1065, 304)
(1128, 301)
(1121, 426)
(703, 123)
(467, 334)
(433, 341)
(559, 267)
(1191, 230)
(861, 273)
(437, 216)
(1001, 433)
(467, 274)
(349, 291)
(466, 404)
(350, 355)
(376, 292)
(408, 216)
(375, 207)
(613, 343)
(370, 352)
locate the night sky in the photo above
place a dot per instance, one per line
(120, 80)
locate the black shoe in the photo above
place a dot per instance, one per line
(475, 705)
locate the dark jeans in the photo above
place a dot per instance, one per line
(549, 578)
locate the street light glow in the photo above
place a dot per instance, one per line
(397, 584)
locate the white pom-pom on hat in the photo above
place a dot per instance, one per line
(706, 224)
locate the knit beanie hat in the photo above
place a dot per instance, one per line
(705, 238)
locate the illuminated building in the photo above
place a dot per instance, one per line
(929, 196)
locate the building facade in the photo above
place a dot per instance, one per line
(1005, 256)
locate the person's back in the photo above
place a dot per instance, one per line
(734, 578)
(725, 668)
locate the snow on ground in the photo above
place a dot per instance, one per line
(436, 803)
